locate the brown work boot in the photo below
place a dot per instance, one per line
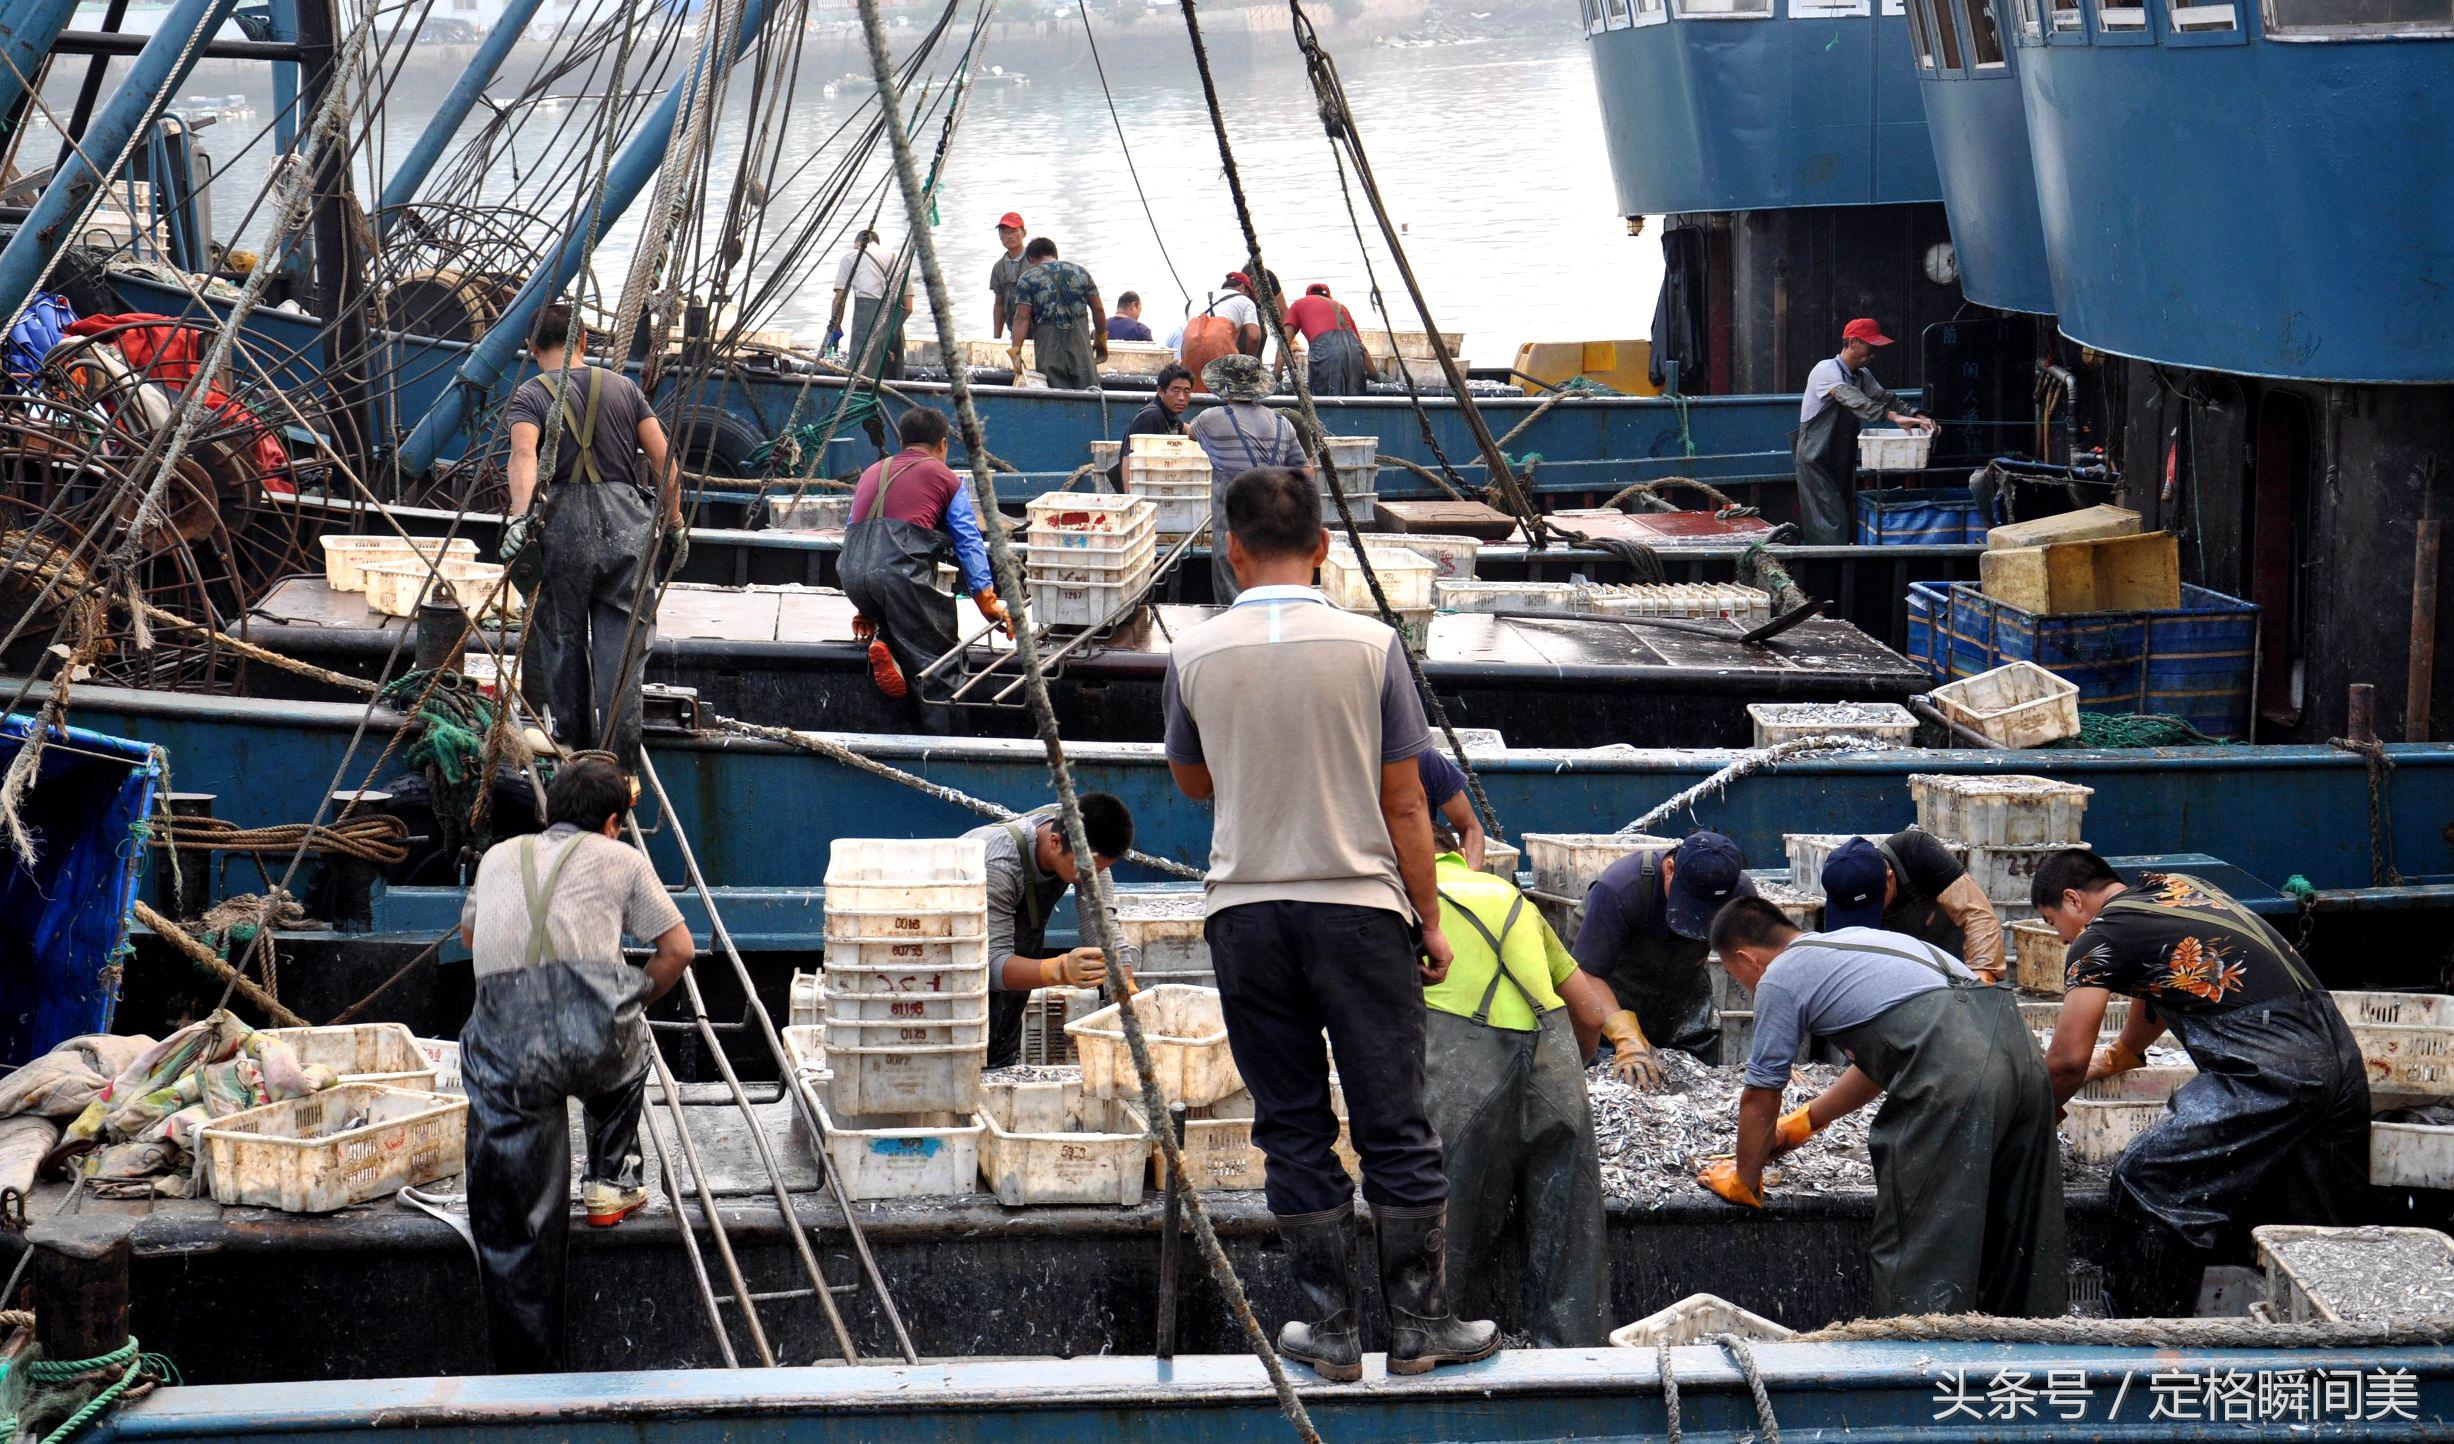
(1414, 1270)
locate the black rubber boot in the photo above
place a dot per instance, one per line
(1321, 1251)
(1414, 1286)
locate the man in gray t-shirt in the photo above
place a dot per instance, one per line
(595, 563)
(1968, 1171)
(1301, 723)
(559, 1015)
(1030, 869)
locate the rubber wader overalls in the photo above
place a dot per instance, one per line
(2274, 1129)
(1007, 1006)
(1826, 452)
(593, 558)
(1968, 1167)
(547, 1031)
(1516, 1136)
(1231, 457)
(889, 570)
(1666, 981)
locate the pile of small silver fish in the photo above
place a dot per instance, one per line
(1033, 1073)
(1652, 1143)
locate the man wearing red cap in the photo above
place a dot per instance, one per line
(1841, 396)
(1008, 270)
(1336, 366)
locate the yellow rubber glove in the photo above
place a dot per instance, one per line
(1795, 1128)
(2112, 1060)
(1721, 1176)
(1081, 968)
(1631, 1056)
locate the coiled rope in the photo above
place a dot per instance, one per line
(369, 837)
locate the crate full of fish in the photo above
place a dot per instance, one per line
(1884, 722)
(2318, 1274)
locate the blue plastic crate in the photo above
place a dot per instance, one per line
(1913, 516)
(2197, 661)
(1929, 640)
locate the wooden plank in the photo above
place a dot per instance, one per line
(2116, 574)
(2087, 524)
(1451, 518)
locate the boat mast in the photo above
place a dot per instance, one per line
(27, 33)
(159, 70)
(631, 171)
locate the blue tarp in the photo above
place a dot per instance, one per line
(64, 917)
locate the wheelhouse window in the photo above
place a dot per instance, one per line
(2030, 25)
(1722, 9)
(1618, 16)
(2358, 19)
(2120, 19)
(2067, 19)
(1650, 12)
(2192, 18)
(1920, 43)
(1984, 36)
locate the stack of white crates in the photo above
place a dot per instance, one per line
(1090, 555)
(1406, 579)
(2008, 824)
(1173, 475)
(905, 1011)
(1356, 459)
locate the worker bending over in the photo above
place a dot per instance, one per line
(1643, 933)
(1301, 723)
(1504, 1052)
(1029, 868)
(909, 512)
(2275, 1127)
(1444, 788)
(592, 607)
(1910, 883)
(560, 1014)
(1968, 1170)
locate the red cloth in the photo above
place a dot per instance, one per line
(923, 487)
(1313, 315)
(165, 352)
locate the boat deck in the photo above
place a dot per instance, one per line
(250, 1295)
(785, 656)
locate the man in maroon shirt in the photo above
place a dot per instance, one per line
(1337, 367)
(910, 512)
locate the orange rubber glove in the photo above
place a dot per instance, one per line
(1795, 1128)
(1631, 1057)
(1081, 968)
(2112, 1060)
(1721, 1176)
(993, 609)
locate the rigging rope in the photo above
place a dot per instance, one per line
(1083, 7)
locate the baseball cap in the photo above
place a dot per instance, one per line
(1707, 870)
(1013, 219)
(1864, 329)
(1237, 278)
(1317, 288)
(1855, 879)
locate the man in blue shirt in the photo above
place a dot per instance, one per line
(910, 512)
(1444, 787)
(1126, 324)
(1968, 1170)
(1643, 934)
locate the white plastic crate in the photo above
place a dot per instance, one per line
(1050, 1143)
(1501, 860)
(2039, 958)
(1219, 1154)
(1352, 455)
(1695, 1319)
(883, 1076)
(888, 979)
(930, 1153)
(1106, 455)
(2043, 1015)
(1453, 558)
(926, 954)
(1977, 810)
(2102, 1118)
(2018, 704)
(805, 1004)
(1777, 722)
(1187, 1037)
(1166, 448)
(1803, 909)
(805, 1054)
(2434, 1010)
(444, 1055)
(1566, 599)
(1566, 863)
(1405, 579)
(2407, 1060)
(968, 1029)
(1100, 563)
(2411, 1155)
(1179, 501)
(1414, 628)
(398, 588)
(385, 1053)
(346, 556)
(1086, 604)
(926, 879)
(1095, 520)
(2297, 1291)
(1893, 448)
(1698, 601)
(1809, 851)
(2007, 873)
(869, 1008)
(295, 1155)
(1161, 932)
(811, 511)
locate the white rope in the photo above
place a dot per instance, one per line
(1760, 759)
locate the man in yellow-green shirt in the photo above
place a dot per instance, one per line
(1505, 1044)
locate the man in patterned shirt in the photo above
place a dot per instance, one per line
(1056, 304)
(2275, 1127)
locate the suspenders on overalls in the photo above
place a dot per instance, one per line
(1499, 958)
(540, 899)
